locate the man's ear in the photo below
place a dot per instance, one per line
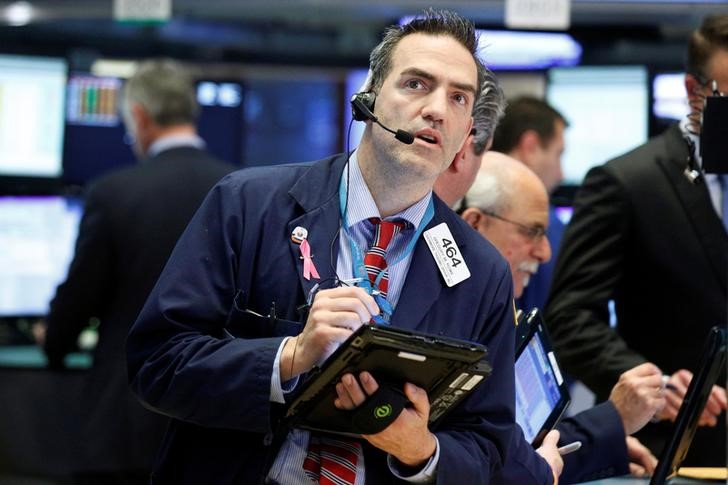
(140, 116)
(460, 155)
(530, 141)
(692, 87)
(473, 217)
(469, 135)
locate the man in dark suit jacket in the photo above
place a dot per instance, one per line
(202, 353)
(649, 238)
(131, 222)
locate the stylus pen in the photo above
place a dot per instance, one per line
(570, 448)
(666, 384)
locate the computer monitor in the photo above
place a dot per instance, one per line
(31, 115)
(291, 120)
(96, 138)
(37, 237)
(222, 118)
(607, 111)
(669, 98)
(96, 141)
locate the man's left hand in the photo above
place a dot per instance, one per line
(407, 439)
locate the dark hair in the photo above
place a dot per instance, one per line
(165, 90)
(523, 114)
(712, 35)
(434, 22)
(487, 110)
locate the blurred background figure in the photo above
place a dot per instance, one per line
(131, 222)
(532, 132)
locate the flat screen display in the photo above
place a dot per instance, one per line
(37, 237)
(669, 98)
(32, 92)
(607, 109)
(537, 388)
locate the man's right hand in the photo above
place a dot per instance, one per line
(638, 395)
(334, 315)
(549, 451)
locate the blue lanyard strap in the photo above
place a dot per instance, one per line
(357, 255)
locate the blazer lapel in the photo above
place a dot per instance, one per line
(317, 193)
(696, 201)
(423, 283)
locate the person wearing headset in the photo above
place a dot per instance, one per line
(227, 333)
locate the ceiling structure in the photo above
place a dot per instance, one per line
(324, 32)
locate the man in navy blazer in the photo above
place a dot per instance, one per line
(227, 332)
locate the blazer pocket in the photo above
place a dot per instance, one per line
(248, 324)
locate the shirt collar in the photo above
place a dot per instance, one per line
(175, 141)
(364, 206)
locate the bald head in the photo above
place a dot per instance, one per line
(508, 205)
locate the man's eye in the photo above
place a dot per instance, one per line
(460, 99)
(414, 84)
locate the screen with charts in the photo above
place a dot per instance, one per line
(537, 389)
(607, 108)
(31, 115)
(96, 137)
(38, 235)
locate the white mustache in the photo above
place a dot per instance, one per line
(528, 267)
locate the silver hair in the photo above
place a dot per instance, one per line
(165, 90)
(487, 111)
(490, 192)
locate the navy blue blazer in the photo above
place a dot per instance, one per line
(603, 452)
(196, 357)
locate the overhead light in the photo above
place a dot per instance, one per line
(113, 68)
(19, 13)
(511, 49)
(524, 50)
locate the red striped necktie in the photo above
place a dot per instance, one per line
(375, 260)
(332, 461)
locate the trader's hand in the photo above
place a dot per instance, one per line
(680, 381)
(638, 395)
(549, 450)
(39, 328)
(407, 438)
(641, 460)
(335, 314)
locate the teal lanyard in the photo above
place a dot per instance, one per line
(357, 255)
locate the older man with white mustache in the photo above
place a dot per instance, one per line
(508, 204)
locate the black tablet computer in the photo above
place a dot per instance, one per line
(711, 363)
(448, 369)
(542, 395)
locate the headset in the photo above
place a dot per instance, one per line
(362, 109)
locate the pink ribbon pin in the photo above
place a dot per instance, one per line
(308, 267)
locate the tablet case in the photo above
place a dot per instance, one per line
(711, 363)
(448, 369)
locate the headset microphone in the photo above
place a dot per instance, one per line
(362, 105)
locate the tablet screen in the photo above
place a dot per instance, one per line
(539, 400)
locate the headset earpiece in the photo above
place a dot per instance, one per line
(362, 106)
